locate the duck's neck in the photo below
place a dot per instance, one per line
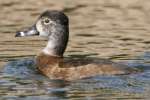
(52, 49)
(57, 43)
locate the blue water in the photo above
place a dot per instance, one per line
(21, 81)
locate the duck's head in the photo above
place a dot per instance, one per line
(54, 25)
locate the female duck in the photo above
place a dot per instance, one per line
(54, 25)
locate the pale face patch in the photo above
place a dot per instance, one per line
(40, 29)
(45, 26)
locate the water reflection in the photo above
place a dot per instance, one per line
(103, 87)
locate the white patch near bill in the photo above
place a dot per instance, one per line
(40, 29)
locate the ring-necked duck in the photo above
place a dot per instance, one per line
(54, 25)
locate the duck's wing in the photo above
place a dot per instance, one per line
(77, 69)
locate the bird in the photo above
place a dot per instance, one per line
(54, 26)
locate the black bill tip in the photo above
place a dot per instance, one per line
(18, 34)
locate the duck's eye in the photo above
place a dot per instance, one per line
(47, 21)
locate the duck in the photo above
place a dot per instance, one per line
(54, 26)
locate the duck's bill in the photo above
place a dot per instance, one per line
(28, 32)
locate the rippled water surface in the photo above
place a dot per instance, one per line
(118, 30)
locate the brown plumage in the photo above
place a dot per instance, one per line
(72, 69)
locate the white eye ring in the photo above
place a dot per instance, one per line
(47, 21)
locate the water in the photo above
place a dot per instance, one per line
(111, 29)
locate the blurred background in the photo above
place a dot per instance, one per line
(118, 30)
(105, 28)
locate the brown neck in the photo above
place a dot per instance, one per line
(43, 59)
(51, 66)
